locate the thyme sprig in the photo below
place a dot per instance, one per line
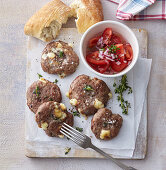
(61, 54)
(67, 150)
(88, 88)
(39, 75)
(55, 81)
(75, 113)
(120, 89)
(36, 91)
(79, 129)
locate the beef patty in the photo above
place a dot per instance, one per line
(88, 95)
(42, 91)
(50, 117)
(59, 58)
(106, 125)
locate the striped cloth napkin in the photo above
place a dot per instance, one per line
(137, 9)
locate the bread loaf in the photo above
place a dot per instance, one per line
(87, 12)
(46, 23)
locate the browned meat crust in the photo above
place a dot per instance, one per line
(50, 116)
(105, 120)
(59, 58)
(40, 92)
(86, 99)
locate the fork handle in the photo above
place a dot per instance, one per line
(121, 165)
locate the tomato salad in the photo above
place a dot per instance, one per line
(109, 53)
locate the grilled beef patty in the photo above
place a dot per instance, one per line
(88, 95)
(50, 117)
(59, 58)
(105, 125)
(42, 91)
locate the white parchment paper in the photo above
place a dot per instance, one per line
(124, 143)
(141, 74)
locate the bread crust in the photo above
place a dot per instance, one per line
(55, 10)
(88, 12)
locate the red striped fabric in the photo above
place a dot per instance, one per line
(132, 10)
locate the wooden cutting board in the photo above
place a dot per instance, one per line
(40, 149)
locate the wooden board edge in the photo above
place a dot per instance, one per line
(143, 150)
(76, 153)
(85, 153)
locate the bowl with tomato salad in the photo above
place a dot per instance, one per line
(109, 49)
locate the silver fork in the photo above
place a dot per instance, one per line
(85, 142)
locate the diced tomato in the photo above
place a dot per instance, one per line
(104, 68)
(119, 67)
(93, 55)
(107, 35)
(96, 62)
(120, 49)
(94, 59)
(129, 52)
(116, 39)
(93, 41)
(115, 56)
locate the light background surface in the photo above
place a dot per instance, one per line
(13, 15)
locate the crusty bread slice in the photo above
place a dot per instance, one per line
(46, 23)
(87, 12)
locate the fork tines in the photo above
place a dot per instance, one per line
(72, 134)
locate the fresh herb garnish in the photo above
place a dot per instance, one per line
(88, 88)
(50, 99)
(39, 75)
(75, 113)
(61, 53)
(130, 90)
(113, 49)
(120, 89)
(105, 124)
(102, 49)
(45, 97)
(67, 150)
(36, 91)
(55, 81)
(79, 129)
(39, 113)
